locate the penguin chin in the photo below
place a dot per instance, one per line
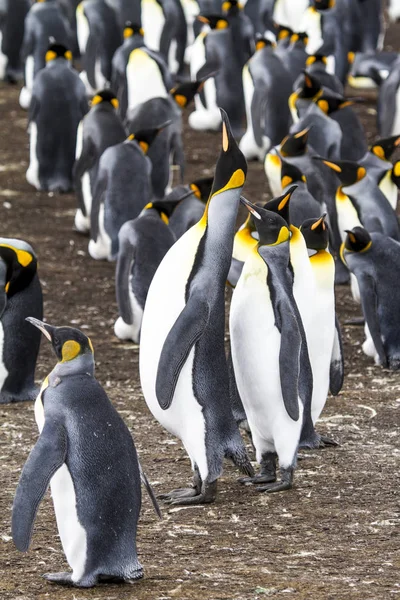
(82, 223)
(202, 120)
(124, 331)
(25, 98)
(250, 148)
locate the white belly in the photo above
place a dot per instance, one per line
(394, 10)
(396, 121)
(208, 117)
(101, 81)
(273, 173)
(248, 143)
(32, 174)
(311, 24)
(144, 79)
(389, 189)
(153, 22)
(82, 28)
(255, 353)
(289, 13)
(3, 369)
(100, 249)
(130, 331)
(184, 418)
(347, 217)
(355, 290)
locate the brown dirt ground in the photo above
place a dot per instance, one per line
(334, 536)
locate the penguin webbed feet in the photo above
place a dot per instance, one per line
(60, 578)
(286, 482)
(267, 473)
(327, 441)
(201, 493)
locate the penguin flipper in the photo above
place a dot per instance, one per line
(289, 361)
(126, 256)
(150, 491)
(336, 371)
(258, 111)
(187, 330)
(3, 282)
(89, 60)
(47, 456)
(387, 107)
(212, 64)
(369, 304)
(33, 109)
(84, 163)
(98, 198)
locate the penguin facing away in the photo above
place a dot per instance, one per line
(21, 296)
(100, 129)
(89, 475)
(123, 189)
(266, 341)
(57, 90)
(143, 244)
(11, 39)
(183, 367)
(44, 23)
(374, 259)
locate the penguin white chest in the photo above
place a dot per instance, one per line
(389, 189)
(3, 368)
(144, 79)
(311, 24)
(153, 22)
(289, 13)
(82, 28)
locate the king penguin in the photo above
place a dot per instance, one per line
(99, 37)
(302, 204)
(100, 129)
(87, 455)
(43, 23)
(267, 87)
(289, 14)
(183, 368)
(143, 243)
(57, 91)
(190, 209)
(267, 340)
(374, 259)
(388, 115)
(123, 189)
(21, 296)
(380, 169)
(11, 39)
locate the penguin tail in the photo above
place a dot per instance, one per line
(236, 452)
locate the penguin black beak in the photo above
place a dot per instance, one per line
(44, 328)
(250, 207)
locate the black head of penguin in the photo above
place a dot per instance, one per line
(55, 50)
(202, 188)
(301, 38)
(310, 88)
(166, 207)
(315, 233)
(280, 205)
(145, 137)
(295, 144)
(290, 174)
(68, 343)
(105, 96)
(357, 240)
(184, 93)
(231, 7)
(131, 29)
(384, 148)
(21, 265)
(323, 4)
(214, 21)
(315, 59)
(330, 102)
(283, 33)
(271, 227)
(349, 172)
(263, 42)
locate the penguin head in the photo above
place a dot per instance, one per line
(271, 227)
(357, 240)
(105, 96)
(283, 33)
(323, 4)
(21, 264)
(290, 174)
(310, 87)
(201, 188)
(263, 42)
(231, 7)
(384, 148)
(295, 144)
(329, 102)
(145, 137)
(217, 22)
(280, 205)
(165, 207)
(131, 29)
(301, 37)
(316, 59)
(349, 172)
(68, 343)
(315, 233)
(55, 50)
(183, 94)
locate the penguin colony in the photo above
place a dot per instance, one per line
(105, 84)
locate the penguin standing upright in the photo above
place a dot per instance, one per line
(267, 87)
(288, 13)
(388, 109)
(133, 38)
(380, 169)
(100, 129)
(123, 189)
(57, 92)
(268, 343)
(295, 57)
(21, 296)
(87, 455)
(11, 39)
(183, 369)
(99, 37)
(143, 244)
(44, 23)
(374, 259)
(317, 66)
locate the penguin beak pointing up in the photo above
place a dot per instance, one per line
(44, 328)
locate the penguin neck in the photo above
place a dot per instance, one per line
(81, 365)
(275, 257)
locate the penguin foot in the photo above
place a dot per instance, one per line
(285, 483)
(267, 473)
(206, 496)
(179, 493)
(60, 578)
(326, 441)
(257, 479)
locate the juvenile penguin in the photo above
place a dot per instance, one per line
(100, 129)
(324, 339)
(133, 38)
(57, 91)
(266, 340)
(99, 37)
(123, 189)
(143, 244)
(267, 87)
(43, 23)
(183, 367)
(21, 296)
(87, 455)
(11, 39)
(374, 259)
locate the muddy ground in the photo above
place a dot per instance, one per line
(334, 536)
